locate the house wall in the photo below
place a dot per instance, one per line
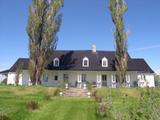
(150, 80)
(73, 77)
(91, 77)
(12, 78)
(2, 77)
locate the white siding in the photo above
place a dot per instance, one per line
(11, 78)
(2, 77)
(91, 76)
(150, 80)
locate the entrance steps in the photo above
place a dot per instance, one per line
(75, 92)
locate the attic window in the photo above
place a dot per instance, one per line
(104, 62)
(85, 62)
(56, 62)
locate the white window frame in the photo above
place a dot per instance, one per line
(54, 62)
(85, 59)
(104, 60)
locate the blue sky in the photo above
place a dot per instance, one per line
(85, 22)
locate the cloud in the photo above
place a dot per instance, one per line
(145, 48)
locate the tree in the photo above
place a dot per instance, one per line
(117, 9)
(43, 24)
(18, 73)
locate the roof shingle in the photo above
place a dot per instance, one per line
(72, 60)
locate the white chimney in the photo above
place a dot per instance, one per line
(94, 48)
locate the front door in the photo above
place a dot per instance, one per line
(83, 78)
(104, 80)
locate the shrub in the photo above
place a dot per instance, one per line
(51, 91)
(98, 99)
(104, 109)
(89, 86)
(94, 93)
(57, 91)
(4, 117)
(32, 105)
(47, 97)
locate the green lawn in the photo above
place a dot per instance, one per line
(124, 104)
(133, 103)
(13, 104)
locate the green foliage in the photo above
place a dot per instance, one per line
(43, 24)
(18, 72)
(119, 104)
(117, 9)
(13, 101)
(4, 117)
(132, 104)
(157, 80)
(89, 86)
(47, 97)
(32, 105)
(58, 90)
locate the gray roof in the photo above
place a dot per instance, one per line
(72, 60)
(4, 72)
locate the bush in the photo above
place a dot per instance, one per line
(98, 99)
(89, 86)
(4, 117)
(104, 109)
(57, 91)
(51, 91)
(47, 97)
(94, 93)
(32, 105)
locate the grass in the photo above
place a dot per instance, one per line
(13, 103)
(126, 102)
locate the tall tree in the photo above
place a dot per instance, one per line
(117, 9)
(18, 73)
(43, 24)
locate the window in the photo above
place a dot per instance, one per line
(104, 77)
(56, 77)
(56, 62)
(65, 77)
(83, 78)
(141, 77)
(104, 62)
(85, 62)
(104, 80)
(45, 78)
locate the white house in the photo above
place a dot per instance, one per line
(79, 67)
(3, 76)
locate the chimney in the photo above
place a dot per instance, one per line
(94, 48)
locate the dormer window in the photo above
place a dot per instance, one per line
(104, 62)
(56, 62)
(85, 62)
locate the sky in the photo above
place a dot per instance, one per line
(85, 22)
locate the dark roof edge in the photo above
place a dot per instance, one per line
(150, 69)
(4, 71)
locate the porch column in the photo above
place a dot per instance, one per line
(99, 81)
(113, 81)
(79, 81)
